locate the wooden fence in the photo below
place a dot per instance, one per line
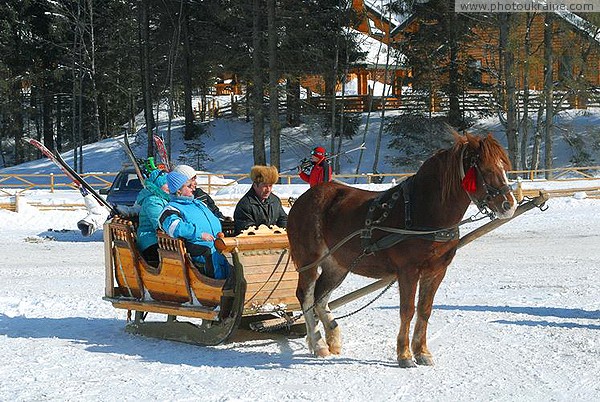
(14, 185)
(479, 101)
(52, 182)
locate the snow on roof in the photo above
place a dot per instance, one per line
(581, 24)
(376, 52)
(381, 7)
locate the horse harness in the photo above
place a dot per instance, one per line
(381, 207)
(378, 211)
(491, 192)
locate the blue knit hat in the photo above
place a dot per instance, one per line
(158, 177)
(175, 180)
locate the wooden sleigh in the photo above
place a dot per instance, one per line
(263, 284)
(262, 294)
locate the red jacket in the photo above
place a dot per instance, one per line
(320, 172)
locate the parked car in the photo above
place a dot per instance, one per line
(124, 189)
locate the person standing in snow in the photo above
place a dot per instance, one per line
(319, 170)
(259, 206)
(200, 194)
(191, 220)
(151, 201)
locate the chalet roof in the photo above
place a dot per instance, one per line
(379, 8)
(397, 20)
(580, 24)
(376, 53)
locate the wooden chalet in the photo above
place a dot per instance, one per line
(576, 47)
(228, 84)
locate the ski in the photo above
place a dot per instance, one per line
(162, 151)
(81, 184)
(136, 164)
(78, 179)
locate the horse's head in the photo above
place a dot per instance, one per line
(483, 166)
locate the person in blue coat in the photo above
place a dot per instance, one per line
(190, 219)
(151, 201)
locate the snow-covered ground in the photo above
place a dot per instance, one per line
(516, 318)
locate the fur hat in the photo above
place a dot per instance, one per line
(186, 170)
(264, 174)
(175, 180)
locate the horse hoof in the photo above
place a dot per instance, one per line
(322, 352)
(406, 363)
(424, 360)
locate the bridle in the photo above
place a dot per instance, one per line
(491, 192)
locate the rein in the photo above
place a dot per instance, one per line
(279, 261)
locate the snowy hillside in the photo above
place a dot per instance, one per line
(228, 144)
(516, 318)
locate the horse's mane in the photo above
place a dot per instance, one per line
(488, 149)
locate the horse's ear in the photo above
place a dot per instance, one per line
(458, 139)
(472, 139)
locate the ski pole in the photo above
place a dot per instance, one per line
(361, 146)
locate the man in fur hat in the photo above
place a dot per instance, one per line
(259, 206)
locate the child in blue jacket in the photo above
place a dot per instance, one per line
(190, 219)
(152, 199)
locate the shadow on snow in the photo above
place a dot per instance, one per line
(574, 313)
(535, 311)
(71, 236)
(105, 335)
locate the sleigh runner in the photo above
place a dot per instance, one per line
(263, 283)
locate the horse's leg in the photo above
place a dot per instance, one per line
(328, 281)
(306, 295)
(428, 285)
(407, 282)
(332, 330)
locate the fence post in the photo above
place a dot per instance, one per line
(519, 192)
(52, 182)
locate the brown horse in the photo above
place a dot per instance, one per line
(409, 232)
